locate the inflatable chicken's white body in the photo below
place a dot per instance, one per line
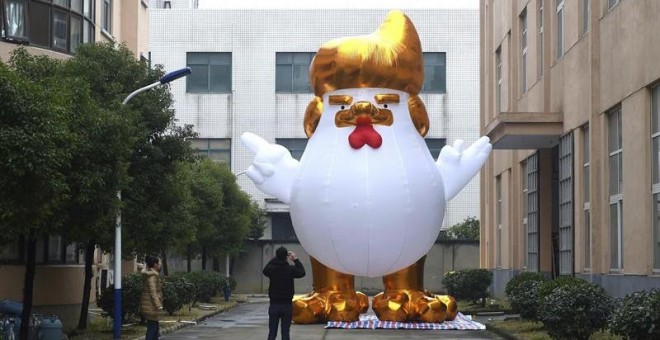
(368, 209)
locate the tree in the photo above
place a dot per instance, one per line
(36, 146)
(466, 230)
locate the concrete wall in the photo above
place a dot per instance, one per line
(246, 269)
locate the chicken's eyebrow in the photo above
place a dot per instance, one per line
(386, 98)
(340, 99)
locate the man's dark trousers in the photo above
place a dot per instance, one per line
(277, 312)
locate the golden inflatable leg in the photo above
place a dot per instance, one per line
(405, 298)
(334, 298)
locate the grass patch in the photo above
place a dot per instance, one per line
(101, 327)
(524, 329)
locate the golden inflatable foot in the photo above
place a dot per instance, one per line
(406, 305)
(329, 305)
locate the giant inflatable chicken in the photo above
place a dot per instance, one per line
(366, 197)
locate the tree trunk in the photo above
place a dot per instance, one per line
(28, 285)
(189, 257)
(165, 270)
(203, 258)
(89, 260)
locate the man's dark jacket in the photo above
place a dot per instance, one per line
(281, 275)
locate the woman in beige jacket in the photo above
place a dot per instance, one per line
(151, 301)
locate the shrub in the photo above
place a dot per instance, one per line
(637, 316)
(521, 291)
(547, 287)
(575, 311)
(177, 291)
(130, 298)
(205, 285)
(468, 284)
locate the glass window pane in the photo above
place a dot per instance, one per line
(220, 79)
(223, 144)
(656, 231)
(219, 58)
(77, 6)
(223, 157)
(614, 236)
(63, 3)
(283, 78)
(88, 32)
(60, 31)
(614, 174)
(301, 58)
(586, 184)
(71, 253)
(655, 164)
(194, 58)
(15, 19)
(88, 8)
(76, 32)
(300, 80)
(39, 24)
(201, 144)
(283, 58)
(54, 248)
(587, 238)
(435, 145)
(655, 110)
(198, 80)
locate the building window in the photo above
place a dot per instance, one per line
(523, 51)
(89, 14)
(498, 218)
(211, 72)
(435, 72)
(295, 145)
(292, 72)
(611, 4)
(586, 195)
(282, 228)
(14, 24)
(539, 43)
(585, 16)
(217, 149)
(106, 16)
(523, 178)
(655, 141)
(560, 28)
(435, 145)
(498, 79)
(60, 25)
(616, 188)
(50, 250)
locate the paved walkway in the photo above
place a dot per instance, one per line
(249, 321)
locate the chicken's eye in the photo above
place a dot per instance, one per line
(385, 106)
(342, 107)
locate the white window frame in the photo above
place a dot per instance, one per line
(106, 19)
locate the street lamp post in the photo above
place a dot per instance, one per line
(117, 271)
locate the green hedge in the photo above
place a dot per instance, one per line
(521, 291)
(469, 284)
(575, 311)
(637, 316)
